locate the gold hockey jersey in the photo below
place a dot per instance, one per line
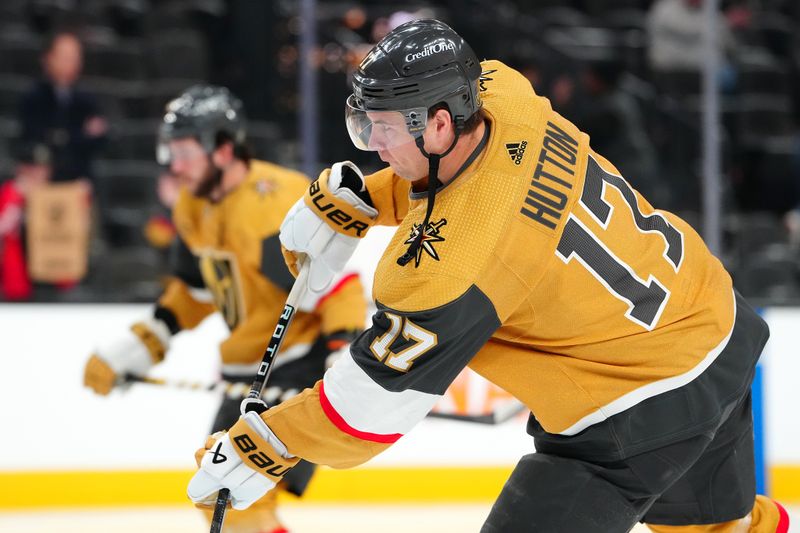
(229, 259)
(544, 271)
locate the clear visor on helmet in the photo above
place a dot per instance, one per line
(176, 150)
(379, 130)
(163, 155)
(174, 144)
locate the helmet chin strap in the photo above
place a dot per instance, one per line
(433, 185)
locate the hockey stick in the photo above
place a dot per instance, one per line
(502, 413)
(262, 375)
(234, 390)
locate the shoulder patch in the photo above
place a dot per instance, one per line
(430, 236)
(264, 186)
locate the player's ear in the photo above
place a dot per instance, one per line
(442, 127)
(442, 120)
(223, 155)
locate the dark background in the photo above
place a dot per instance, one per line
(590, 57)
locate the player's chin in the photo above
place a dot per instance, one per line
(405, 173)
(187, 182)
(394, 166)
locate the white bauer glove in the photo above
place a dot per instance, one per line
(134, 352)
(326, 224)
(248, 459)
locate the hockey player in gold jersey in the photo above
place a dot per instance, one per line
(523, 254)
(228, 259)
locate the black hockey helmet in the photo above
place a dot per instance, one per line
(417, 65)
(203, 112)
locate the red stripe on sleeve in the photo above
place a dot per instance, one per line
(783, 520)
(336, 288)
(343, 426)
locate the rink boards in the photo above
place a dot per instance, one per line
(65, 446)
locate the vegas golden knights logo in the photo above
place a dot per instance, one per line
(221, 276)
(430, 236)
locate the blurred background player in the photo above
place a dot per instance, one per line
(522, 253)
(227, 258)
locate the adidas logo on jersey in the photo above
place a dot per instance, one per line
(516, 151)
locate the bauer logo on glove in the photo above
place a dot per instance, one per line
(327, 223)
(249, 460)
(348, 226)
(335, 194)
(259, 458)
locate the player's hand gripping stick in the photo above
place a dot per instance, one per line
(294, 298)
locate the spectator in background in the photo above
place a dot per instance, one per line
(675, 33)
(676, 29)
(33, 169)
(615, 125)
(561, 93)
(57, 113)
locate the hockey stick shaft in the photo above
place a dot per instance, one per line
(498, 416)
(179, 384)
(230, 389)
(298, 289)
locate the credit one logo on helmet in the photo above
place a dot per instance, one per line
(429, 50)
